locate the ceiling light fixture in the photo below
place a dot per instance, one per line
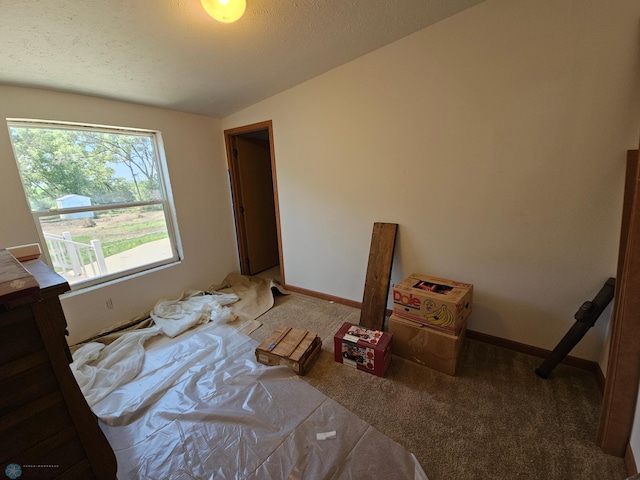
(226, 11)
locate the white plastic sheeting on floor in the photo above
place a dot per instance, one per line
(202, 408)
(99, 369)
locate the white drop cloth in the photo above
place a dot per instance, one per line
(99, 369)
(176, 316)
(201, 407)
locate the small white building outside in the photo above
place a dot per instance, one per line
(71, 201)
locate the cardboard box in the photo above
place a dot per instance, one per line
(366, 350)
(291, 347)
(426, 346)
(437, 302)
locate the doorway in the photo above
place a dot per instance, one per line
(252, 173)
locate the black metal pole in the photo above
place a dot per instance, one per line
(586, 317)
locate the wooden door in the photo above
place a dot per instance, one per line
(256, 209)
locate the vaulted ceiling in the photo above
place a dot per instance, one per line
(171, 54)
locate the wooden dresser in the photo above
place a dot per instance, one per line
(47, 430)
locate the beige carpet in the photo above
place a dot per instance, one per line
(495, 420)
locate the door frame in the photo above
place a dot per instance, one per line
(623, 369)
(234, 179)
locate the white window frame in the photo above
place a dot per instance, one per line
(166, 200)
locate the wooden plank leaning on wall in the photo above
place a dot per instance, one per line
(376, 285)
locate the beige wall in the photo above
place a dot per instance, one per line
(495, 138)
(201, 195)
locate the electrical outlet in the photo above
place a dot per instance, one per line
(109, 303)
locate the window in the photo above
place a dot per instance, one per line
(99, 197)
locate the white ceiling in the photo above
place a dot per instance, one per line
(171, 54)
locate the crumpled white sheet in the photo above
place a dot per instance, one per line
(176, 316)
(100, 369)
(202, 407)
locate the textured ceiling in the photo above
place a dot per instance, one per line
(170, 53)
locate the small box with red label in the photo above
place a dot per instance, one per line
(437, 302)
(364, 349)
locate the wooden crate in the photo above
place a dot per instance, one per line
(292, 347)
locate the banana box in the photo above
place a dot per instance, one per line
(436, 302)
